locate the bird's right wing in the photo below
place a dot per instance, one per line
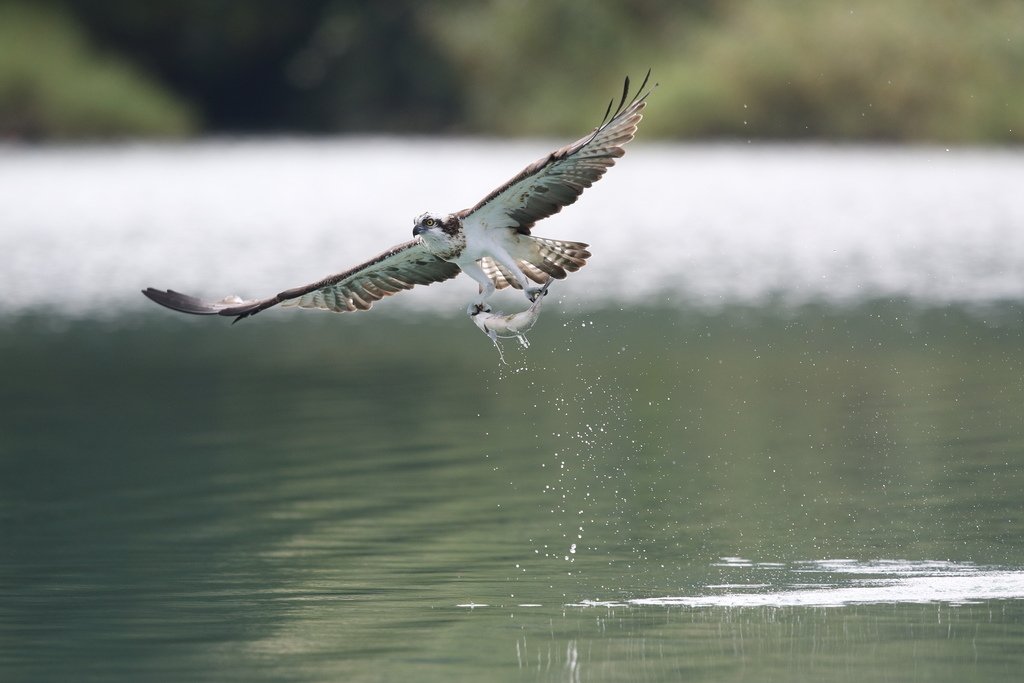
(397, 269)
(557, 180)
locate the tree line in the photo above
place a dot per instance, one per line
(918, 70)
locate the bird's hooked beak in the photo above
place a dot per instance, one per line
(417, 229)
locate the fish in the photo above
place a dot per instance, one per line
(498, 325)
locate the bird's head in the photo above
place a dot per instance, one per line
(442, 236)
(427, 223)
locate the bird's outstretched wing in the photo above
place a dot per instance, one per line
(397, 269)
(545, 186)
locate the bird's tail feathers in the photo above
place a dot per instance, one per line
(541, 259)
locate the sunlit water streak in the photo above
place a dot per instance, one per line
(841, 583)
(82, 229)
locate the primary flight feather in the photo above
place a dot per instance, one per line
(490, 242)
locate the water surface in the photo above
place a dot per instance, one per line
(750, 472)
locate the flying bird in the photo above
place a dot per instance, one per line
(490, 242)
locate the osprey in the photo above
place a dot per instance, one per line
(490, 242)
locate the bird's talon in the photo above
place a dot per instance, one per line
(534, 293)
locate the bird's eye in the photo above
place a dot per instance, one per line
(430, 222)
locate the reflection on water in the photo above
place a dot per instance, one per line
(647, 492)
(322, 498)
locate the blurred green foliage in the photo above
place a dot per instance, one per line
(916, 70)
(933, 70)
(55, 84)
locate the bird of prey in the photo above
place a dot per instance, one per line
(490, 242)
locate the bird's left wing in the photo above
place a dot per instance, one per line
(397, 269)
(556, 180)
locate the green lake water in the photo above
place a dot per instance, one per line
(739, 494)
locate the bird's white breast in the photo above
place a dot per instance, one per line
(483, 240)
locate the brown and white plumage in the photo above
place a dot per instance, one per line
(490, 242)
(397, 269)
(556, 180)
(547, 259)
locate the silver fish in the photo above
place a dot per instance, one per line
(496, 324)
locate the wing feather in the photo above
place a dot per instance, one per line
(400, 268)
(557, 180)
(501, 276)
